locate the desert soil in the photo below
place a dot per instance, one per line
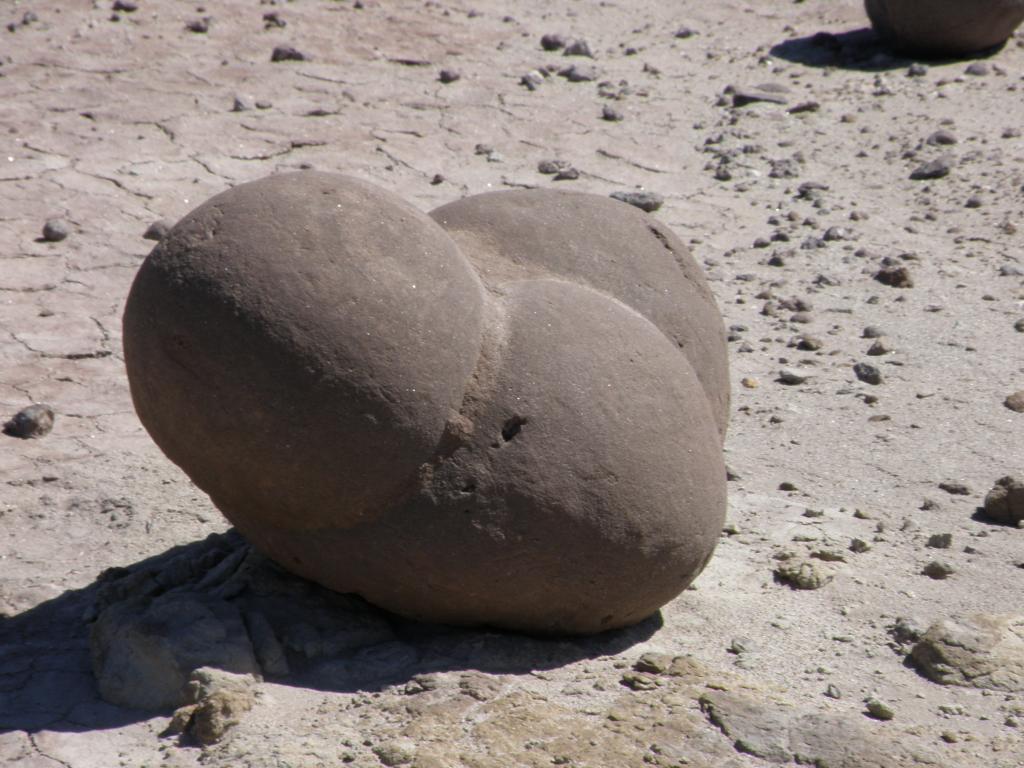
(794, 203)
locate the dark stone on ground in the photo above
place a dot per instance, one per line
(1005, 502)
(287, 53)
(32, 421)
(55, 230)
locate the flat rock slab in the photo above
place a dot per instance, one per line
(780, 733)
(979, 651)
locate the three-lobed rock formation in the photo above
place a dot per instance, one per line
(945, 27)
(507, 413)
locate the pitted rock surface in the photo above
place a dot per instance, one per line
(508, 413)
(945, 27)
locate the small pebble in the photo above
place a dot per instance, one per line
(30, 422)
(955, 489)
(611, 114)
(550, 167)
(645, 201)
(941, 138)
(879, 347)
(447, 76)
(242, 103)
(578, 73)
(55, 230)
(1015, 401)
(740, 645)
(157, 230)
(809, 343)
(578, 48)
(895, 277)
(938, 570)
(532, 80)
(940, 541)
(878, 709)
(552, 42)
(273, 19)
(868, 373)
(287, 53)
(934, 169)
(792, 377)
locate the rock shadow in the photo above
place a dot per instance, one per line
(121, 650)
(859, 49)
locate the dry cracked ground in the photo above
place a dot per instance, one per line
(859, 216)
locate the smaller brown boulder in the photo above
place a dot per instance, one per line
(1005, 502)
(945, 27)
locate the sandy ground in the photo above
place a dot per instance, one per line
(114, 123)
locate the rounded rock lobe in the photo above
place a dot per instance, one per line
(509, 413)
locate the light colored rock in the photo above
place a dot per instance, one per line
(143, 653)
(217, 701)
(804, 573)
(979, 651)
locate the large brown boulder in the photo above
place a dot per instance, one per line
(945, 27)
(508, 413)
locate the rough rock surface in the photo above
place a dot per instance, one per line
(982, 651)
(501, 421)
(945, 27)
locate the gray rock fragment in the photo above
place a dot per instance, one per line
(645, 201)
